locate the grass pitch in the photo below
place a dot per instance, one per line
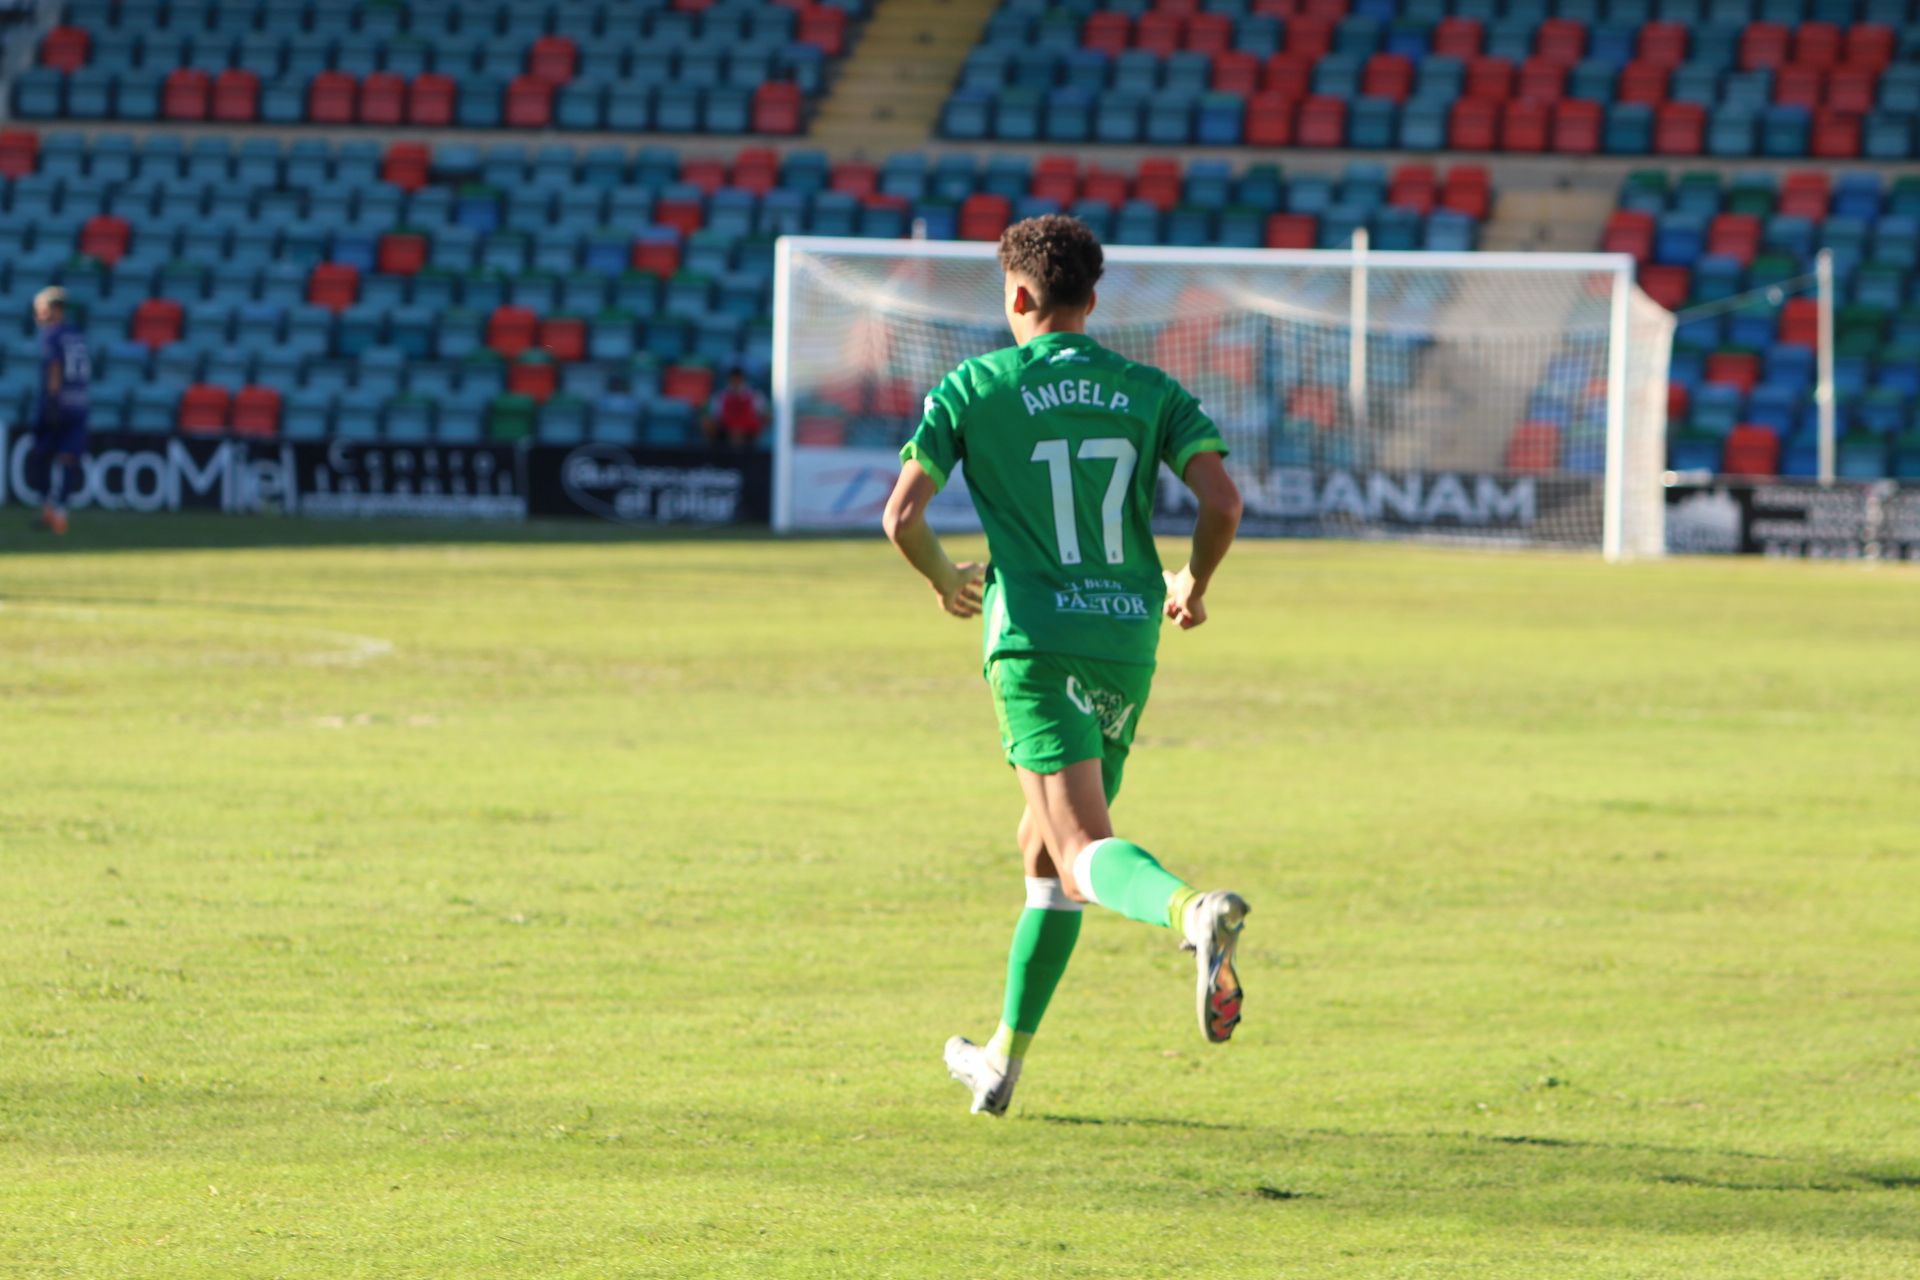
(553, 905)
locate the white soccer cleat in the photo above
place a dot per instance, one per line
(1213, 934)
(992, 1088)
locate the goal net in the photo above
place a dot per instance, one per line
(1502, 398)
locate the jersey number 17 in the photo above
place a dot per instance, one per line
(1124, 457)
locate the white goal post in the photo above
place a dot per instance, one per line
(1499, 398)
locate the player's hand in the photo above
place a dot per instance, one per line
(1186, 602)
(961, 597)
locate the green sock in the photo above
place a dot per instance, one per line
(1123, 877)
(1042, 945)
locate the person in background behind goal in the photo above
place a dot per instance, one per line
(737, 415)
(60, 426)
(1062, 441)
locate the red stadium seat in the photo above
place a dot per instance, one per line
(553, 59)
(705, 172)
(1292, 230)
(1318, 405)
(1577, 127)
(1751, 450)
(1269, 119)
(1734, 369)
(1677, 402)
(1836, 135)
(1800, 322)
(105, 238)
(1816, 44)
(1764, 46)
(1561, 41)
(1157, 33)
(682, 214)
(1533, 446)
(1869, 44)
(383, 99)
(1542, 80)
(1310, 37)
(564, 338)
(187, 95)
(1526, 125)
(407, 165)
(156, 322)
(1236, 72)
(656, 257)
(1806, 193)
(1108, 32)
(402, 253)
(1290, 75)
(1457, 38)
(256, 412)
(1467, 189)
(333, 285)
(1797, 86)
(1159, 183)
(529, 103)
(1388, 75)
(854, 179)
(1664, 44)
(1669, 286)
(1473, 125)
(1209, 33)
(1850, 87)
(1413, 186)
(1643, 82)
(236, 95)
(19, 152)
(983, 216)
(755, 169)
(66, 49)
(825, 28)
(1108, 186)
(1734, 235)
(776, 107)
(822, 429)
(1056, 178)
(203, 410)
(511, 331)
(1490, 79)
(1629, 231)
(430, 100)
(535, 379)
(1679, 129)
(332, 98)
(692, 383)
(1323, 122)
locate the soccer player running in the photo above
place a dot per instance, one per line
(1062, 441)
(60, 431)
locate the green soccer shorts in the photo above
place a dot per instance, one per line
(1055, 711)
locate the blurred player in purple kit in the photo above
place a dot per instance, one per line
(60, 426)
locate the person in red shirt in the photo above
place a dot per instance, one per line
(737, 415)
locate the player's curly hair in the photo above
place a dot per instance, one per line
(1059, 255)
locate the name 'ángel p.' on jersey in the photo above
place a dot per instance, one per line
(1063, 441)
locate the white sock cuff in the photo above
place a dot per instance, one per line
(1083, 869)
(1047, 895)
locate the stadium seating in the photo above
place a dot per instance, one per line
(1704, 237)
(1735, 78)
(685, 66)
(464, 292)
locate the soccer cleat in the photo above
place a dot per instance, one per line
(52, 520)
(1213, 934)
(992, 1088)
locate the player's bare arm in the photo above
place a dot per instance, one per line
(905, 520)
(1219, 499)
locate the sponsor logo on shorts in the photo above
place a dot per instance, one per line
(1104, 705)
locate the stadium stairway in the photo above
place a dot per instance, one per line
(1563, 219)
(888, 95)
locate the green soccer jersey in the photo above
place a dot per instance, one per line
(1062, 441)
